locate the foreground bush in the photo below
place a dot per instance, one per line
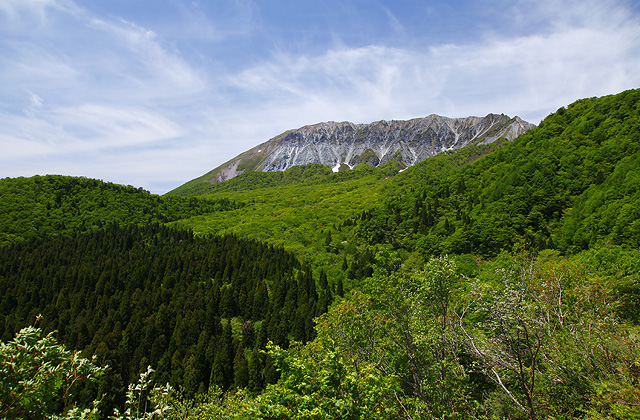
(38, 378)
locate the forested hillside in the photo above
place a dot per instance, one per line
(499, 281)
(570, 184)
(315, 213)
(199, 310)
(53, 204)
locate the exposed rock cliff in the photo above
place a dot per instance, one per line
(344, 145)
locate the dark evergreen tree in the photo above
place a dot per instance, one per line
(340, 288)
(139, 295)
(240, 368)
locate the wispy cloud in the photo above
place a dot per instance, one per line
(115, 89)
(153, 68)
(16, 9)
(113, 97)
(528, 75)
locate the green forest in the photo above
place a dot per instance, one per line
(52, 205)
(499, 281)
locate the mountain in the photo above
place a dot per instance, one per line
(345, 145)
(570, 184)
(540, 234)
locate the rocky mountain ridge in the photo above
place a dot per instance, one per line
(344, 145)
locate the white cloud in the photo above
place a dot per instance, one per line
(89, 128)
(576, 14)
(34, 66)
(152, 67)
(528, 75)
(35, 12)
(127, 146)
(81, 56)
(14, 8)
(107, 127)
(208, 21)
(35, 103)
(111, 98)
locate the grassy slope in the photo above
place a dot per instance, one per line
(522, 195)
(300, 208)
(296, 216)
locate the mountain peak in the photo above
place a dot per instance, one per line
(344, 145)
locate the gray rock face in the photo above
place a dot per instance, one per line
(345, 145)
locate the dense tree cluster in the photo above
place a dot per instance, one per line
(570, 184)
(528, 338)
(198, 309)
(54, 204)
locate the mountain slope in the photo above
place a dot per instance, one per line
(314, 216)
(55, 204)
(345, 145)
(569, 184)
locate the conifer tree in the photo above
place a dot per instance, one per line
(340, 288)
(240, 368)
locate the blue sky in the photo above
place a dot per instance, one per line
(153, 93)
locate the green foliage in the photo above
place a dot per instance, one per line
(608, 212)
(545, 332)
(197, 308)
(38, 378)
(145, 401)
(528, 338)
(250, 163)
(395, 327)
(317, 383)
(51, 205)
(297, 216)
(569, 184)
(214, 405)
(312, 174)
